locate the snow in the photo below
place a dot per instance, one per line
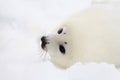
(21, 24)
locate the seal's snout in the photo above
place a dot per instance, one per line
(43, 38)
(44, 42)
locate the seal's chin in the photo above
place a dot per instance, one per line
(44, 42)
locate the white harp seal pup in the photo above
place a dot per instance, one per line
(92, 35)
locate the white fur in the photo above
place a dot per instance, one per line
(92, 35)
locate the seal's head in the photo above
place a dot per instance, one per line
(59, 46)
(75, 38)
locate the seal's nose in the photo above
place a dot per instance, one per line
(44, 42)
(43, 39)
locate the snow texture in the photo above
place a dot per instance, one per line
(22, 22)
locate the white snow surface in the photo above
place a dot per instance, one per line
(22, 22)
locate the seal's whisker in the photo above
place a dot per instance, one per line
(42, 53)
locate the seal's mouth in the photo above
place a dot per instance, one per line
(44, 42)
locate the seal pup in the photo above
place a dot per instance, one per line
(92, 35)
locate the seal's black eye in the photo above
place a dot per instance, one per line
(60, 31)
(62, 49)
